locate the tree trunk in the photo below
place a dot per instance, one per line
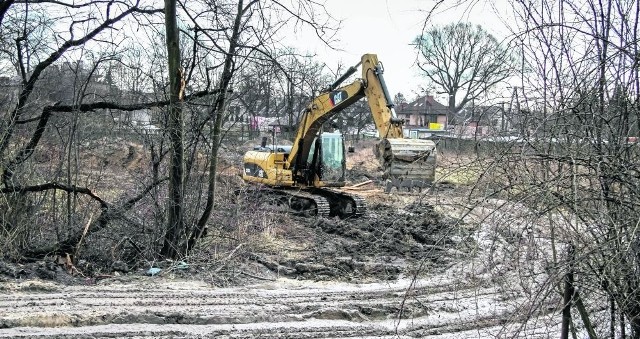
(568, 296)
(451, 119)
(175, 215)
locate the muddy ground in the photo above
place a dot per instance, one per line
(410, 268)
(404, 270)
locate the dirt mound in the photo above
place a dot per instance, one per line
(388, 231)
(43, 270)
(382, 245)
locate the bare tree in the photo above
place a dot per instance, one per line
(77, 67)
(44, 43)
(463, 61)
(586, 108)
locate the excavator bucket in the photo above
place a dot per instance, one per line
(407, 163)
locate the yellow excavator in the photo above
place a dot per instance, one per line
(306, 176)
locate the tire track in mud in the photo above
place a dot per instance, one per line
(282, 309)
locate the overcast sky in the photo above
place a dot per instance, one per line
(387, 28)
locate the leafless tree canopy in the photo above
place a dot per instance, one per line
(463, 61)
(91, 114)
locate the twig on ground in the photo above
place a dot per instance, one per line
(257, 277)
(84, 234)
(227, 258)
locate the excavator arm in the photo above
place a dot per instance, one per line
(333, 100)
(321, 110)
(380, 102)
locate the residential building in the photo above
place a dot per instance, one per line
(425, 111)
(424, 117)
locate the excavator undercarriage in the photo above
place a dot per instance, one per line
(326, 203)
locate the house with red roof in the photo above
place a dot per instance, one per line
(424, 116)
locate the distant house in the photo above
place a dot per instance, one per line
(423, 117)
(425, 111)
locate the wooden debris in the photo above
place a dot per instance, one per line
(359, 185)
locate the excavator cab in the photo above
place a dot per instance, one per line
(327, 160)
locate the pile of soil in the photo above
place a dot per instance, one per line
(382, 245)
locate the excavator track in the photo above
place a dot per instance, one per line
(322, 206)
(320, 202)
(343, 205)
(298, 202)
(361, 205)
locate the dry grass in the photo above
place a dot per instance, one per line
(458, 169)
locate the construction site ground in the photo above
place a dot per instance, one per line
(417, 265)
